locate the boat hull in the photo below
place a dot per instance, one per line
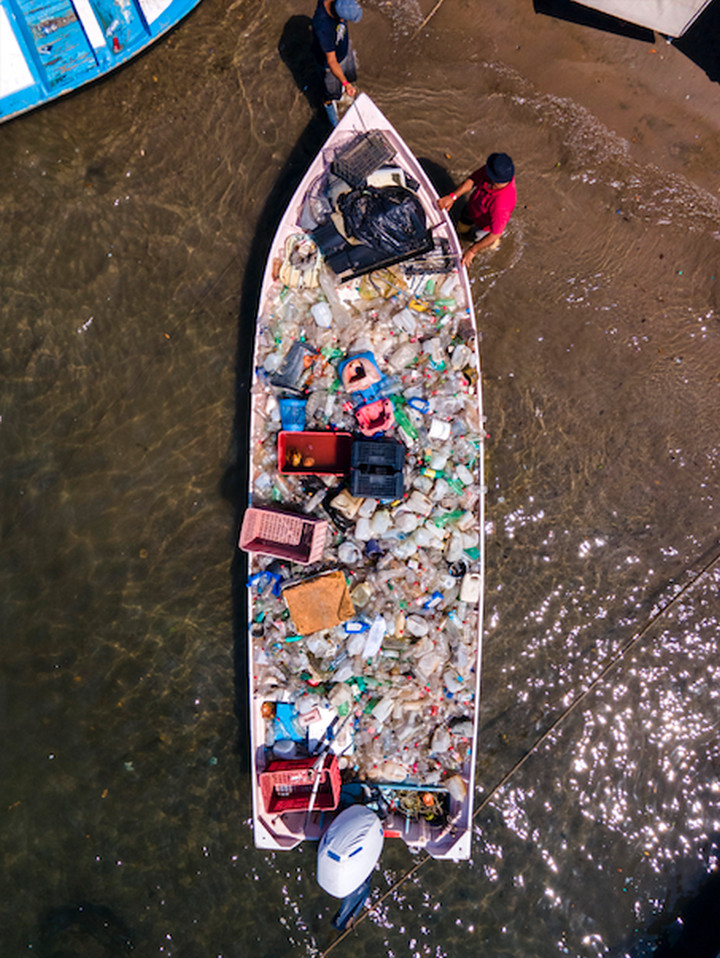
(54, 48)
(422, 693)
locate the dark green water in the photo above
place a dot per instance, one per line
(135, 217)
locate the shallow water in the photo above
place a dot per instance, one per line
(136, 215)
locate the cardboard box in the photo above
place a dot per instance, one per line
(321, 602)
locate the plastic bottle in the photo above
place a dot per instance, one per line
(457, 787)
(461, 356)
(439, 459)
(380, 522)
(322, 315)
(440, 741)
(349, 553)
(422, 537)
(464, 474)
(382, 710)
(455, 548)
(403, 356)
(263, 484)
(361, 594)
(407, 522)
(374, 637)
(312, 504)
(403, 420)
(363, 532)
(340, 312)
(440, 489)
(444, 305)
(406, 321)
(440, 429)
(434, 349)
(448, 286)
(367, 508)
(356, 643)
(416, 625)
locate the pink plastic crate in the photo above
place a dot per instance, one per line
(284, 535)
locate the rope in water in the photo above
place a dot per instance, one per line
(630, 644)
(428, 18)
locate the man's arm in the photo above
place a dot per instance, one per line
(487, 241)
(336, 70)
(445, 202)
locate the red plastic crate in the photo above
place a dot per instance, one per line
(330, 451)
(287, 785)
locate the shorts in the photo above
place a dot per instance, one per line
(466, 227)
(333, 87)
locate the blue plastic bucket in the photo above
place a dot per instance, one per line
(292, 413)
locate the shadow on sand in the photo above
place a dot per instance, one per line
(585, 17)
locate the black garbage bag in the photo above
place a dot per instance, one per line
(388, 218)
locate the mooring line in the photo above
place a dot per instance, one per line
(536, 745)
(428, 18)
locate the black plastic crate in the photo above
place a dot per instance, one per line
(355, 161)
(376, 469)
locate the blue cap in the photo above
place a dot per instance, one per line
(348, 10)
(499, 168)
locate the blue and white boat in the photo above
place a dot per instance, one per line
(51, 47)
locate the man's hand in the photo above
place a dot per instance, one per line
(489, 241)
(469, 256)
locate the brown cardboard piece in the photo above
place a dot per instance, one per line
(319, 603)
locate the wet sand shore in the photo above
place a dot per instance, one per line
(640, 86)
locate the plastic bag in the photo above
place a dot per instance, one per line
(389, 218)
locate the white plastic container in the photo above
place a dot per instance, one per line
(322, 315)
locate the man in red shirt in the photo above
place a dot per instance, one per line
(492, 200)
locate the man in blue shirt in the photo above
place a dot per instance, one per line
(333, 48)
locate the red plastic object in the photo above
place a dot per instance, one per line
(287, 785)
(376, 417)
(272, 532)
(116, 45)
(320, 453)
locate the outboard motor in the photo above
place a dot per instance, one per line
(347, 854)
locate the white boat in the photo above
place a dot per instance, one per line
(55, 47)
(672, 18)
(365, 574)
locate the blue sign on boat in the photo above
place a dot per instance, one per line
(51, 47)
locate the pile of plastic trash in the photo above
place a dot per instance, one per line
(365, 420)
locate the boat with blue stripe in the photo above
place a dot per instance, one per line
(52, 47)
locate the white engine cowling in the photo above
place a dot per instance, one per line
(349, 850)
